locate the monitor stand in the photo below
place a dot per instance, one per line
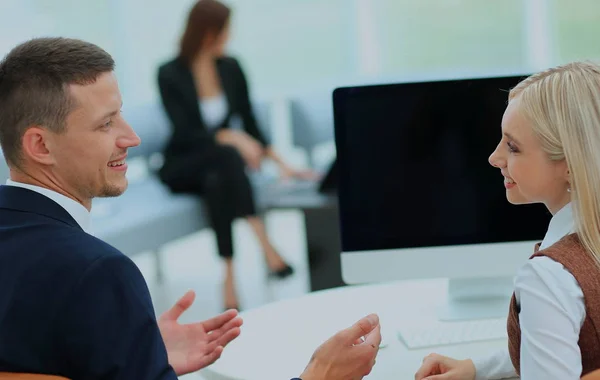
(477, 298)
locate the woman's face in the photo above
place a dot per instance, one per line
(529, 174)
(217, 43)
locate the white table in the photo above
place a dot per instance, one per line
(278, 339)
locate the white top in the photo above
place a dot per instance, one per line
(74, 208)
(214, 110)
(552, 313)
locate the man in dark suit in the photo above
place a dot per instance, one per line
(70, 304)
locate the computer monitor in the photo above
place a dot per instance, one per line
(329, 182)
(418, 198)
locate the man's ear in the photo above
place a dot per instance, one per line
(37, 145)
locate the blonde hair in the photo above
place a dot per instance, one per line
(563, 105)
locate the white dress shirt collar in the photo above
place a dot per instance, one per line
(561, 225)
(74, 208)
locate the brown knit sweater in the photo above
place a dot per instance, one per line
(570, 253)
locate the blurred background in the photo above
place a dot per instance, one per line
(289, 47)
(293, 48)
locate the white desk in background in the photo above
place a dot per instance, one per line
(278, 339)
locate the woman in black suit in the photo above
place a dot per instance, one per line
(201, 89)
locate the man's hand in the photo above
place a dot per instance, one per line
(193, 346)
(350, 354)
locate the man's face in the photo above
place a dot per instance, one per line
(90, 155)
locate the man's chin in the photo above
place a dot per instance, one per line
(113, 190)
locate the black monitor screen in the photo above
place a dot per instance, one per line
(414, 170)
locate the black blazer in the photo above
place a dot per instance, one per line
(190, 138)
(70, 304)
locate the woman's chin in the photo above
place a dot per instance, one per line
(516, 199)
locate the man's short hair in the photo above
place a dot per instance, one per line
(34, 80)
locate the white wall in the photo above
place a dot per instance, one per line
(291, 46)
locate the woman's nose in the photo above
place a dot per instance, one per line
(496, 159)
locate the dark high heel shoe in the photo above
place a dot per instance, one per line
(282, 273)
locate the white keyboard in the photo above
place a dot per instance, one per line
(449, 333)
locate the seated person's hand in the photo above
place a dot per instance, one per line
(349, 354)
(251, 151)
(249, 148)
(191, 347)
(286, 172)
(438, 367)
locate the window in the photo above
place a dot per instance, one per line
(436, 36)
(576, 26)
(294, 44)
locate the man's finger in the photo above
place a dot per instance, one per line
(370, 368)
(374, 337)
(210, 347)
(211, 357)
(229, 336)
(361, 328)
(370, 347)
(180, 306)
(218, 333)
(220, 320)
(359, 341)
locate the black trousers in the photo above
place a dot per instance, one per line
(219, 177)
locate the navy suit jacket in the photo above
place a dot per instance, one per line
(70, 304)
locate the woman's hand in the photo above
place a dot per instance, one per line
(251, 150)
(286, 172)
(438, 367)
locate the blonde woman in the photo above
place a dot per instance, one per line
(549, 153)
